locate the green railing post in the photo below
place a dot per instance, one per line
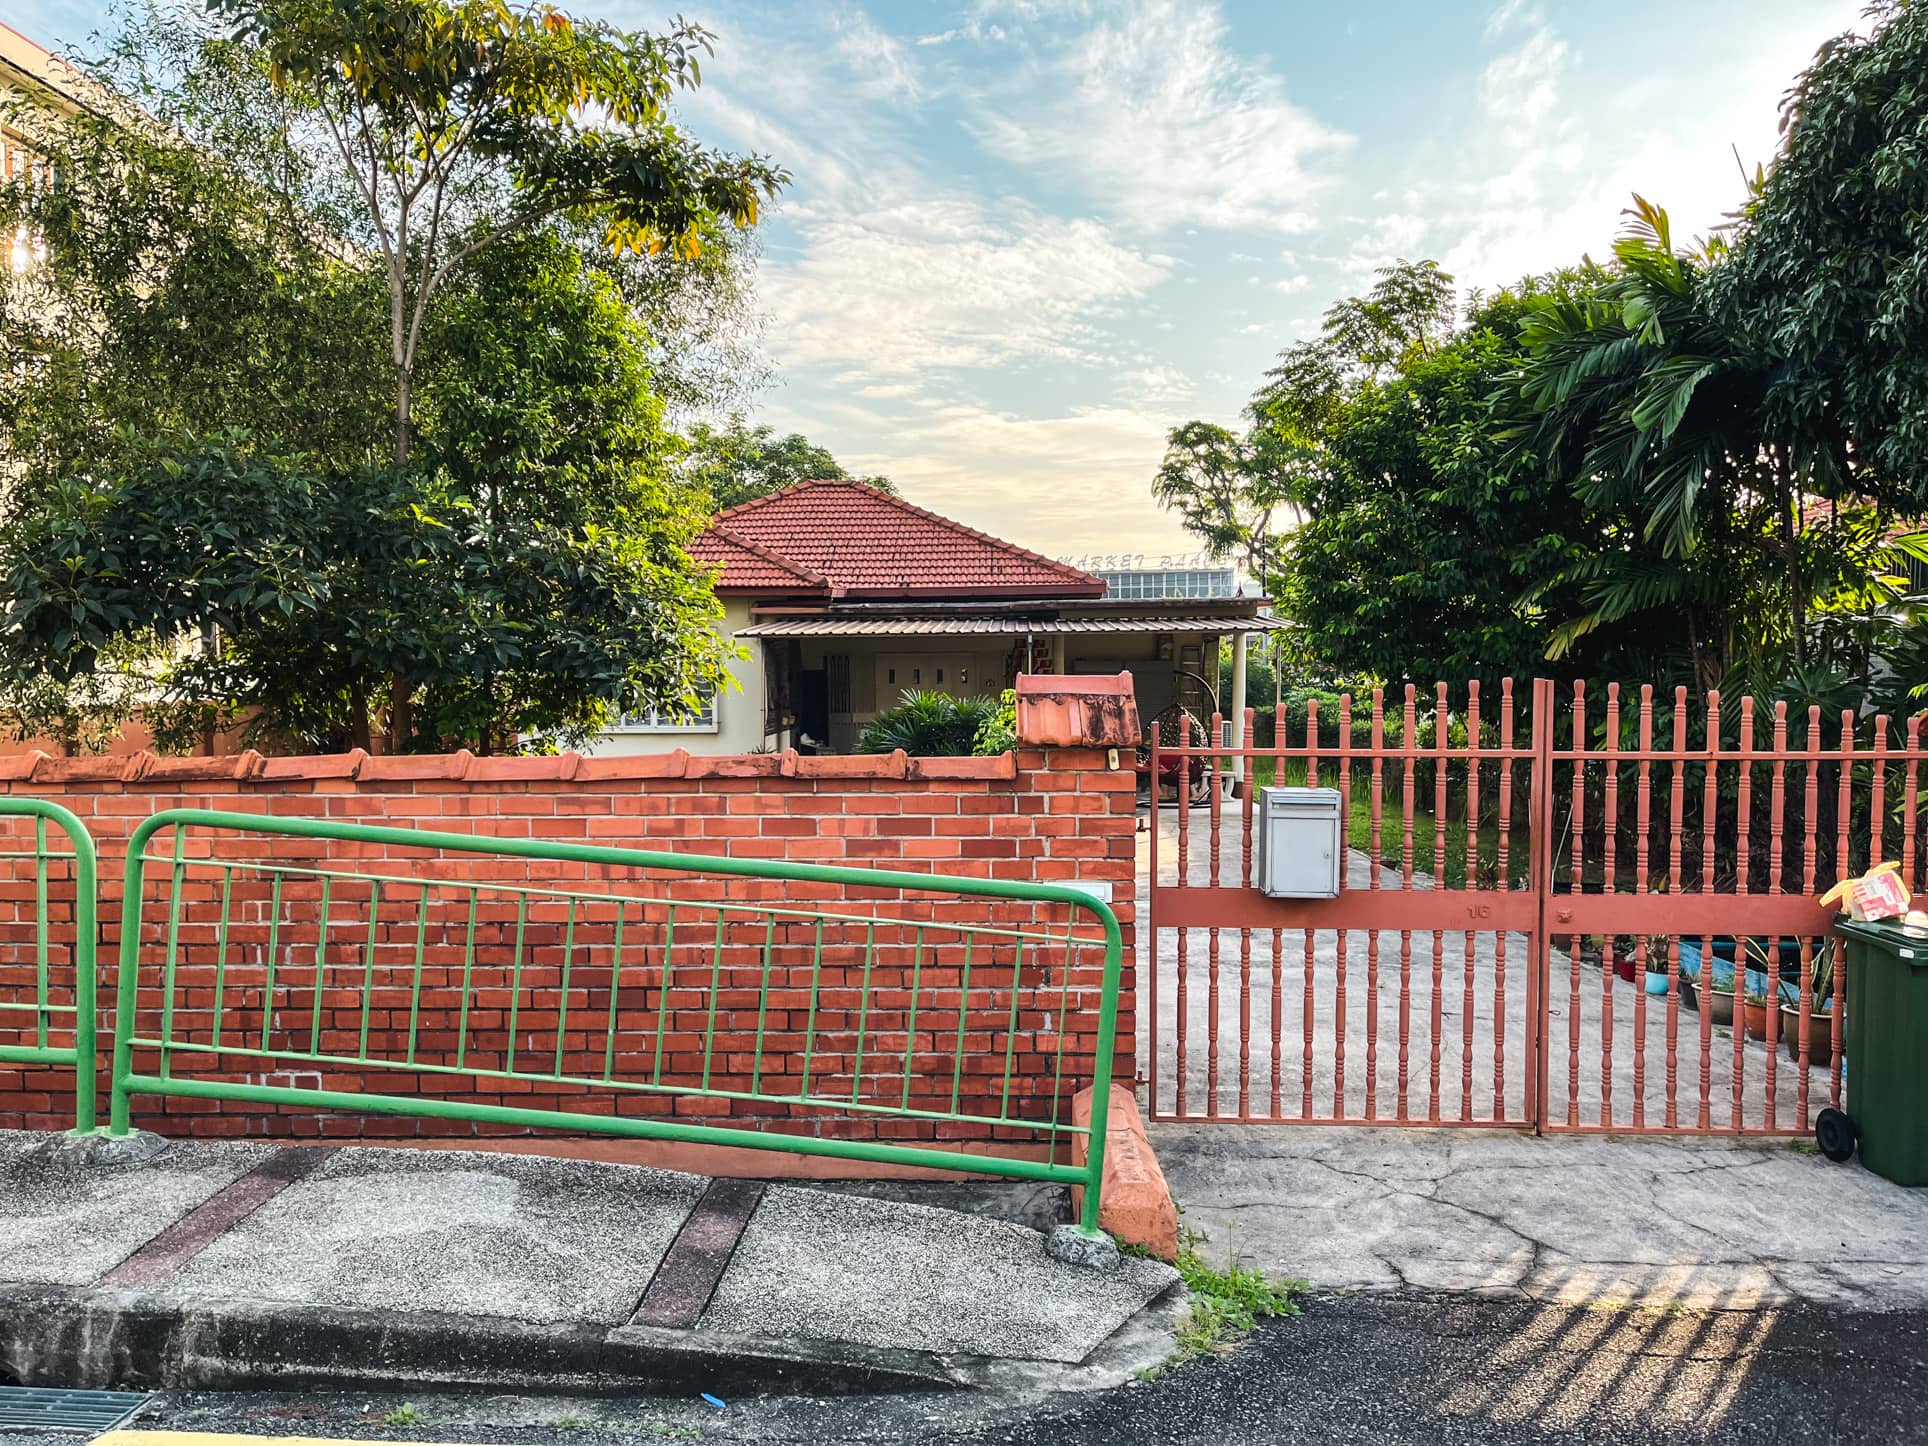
(127, 985)
(86, 1010)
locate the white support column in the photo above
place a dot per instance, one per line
(1241, 644)
(1057, 654)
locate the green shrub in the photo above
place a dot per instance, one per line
(930, 725)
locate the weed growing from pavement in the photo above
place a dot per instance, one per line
(1225, 1304)
(404, 1415)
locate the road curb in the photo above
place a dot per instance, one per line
(132, 1338)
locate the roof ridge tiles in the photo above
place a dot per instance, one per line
(1057, 576)
(769, 555)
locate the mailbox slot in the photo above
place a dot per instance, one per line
(1300, 845)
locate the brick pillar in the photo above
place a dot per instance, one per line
(1076, 774)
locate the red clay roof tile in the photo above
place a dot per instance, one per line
(746, 566)
(864, 543)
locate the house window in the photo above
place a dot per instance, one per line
(666, 720)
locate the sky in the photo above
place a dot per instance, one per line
(1026, 238)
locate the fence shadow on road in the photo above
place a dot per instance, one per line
(1671, 1365)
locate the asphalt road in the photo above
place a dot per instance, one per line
(1358, 1369)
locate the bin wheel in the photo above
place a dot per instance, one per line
(1836, 1134)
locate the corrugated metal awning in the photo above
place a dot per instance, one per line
(950, 626)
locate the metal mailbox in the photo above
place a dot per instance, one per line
(1300, 845)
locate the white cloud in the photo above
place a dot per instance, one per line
(1519, 88)
(1155, 385)
(1167, 125)
(1290, 284)
(879, 64)
(1391, 236)
(925, 282)
(1061, 483)
(1552, 193)
(1509, 13)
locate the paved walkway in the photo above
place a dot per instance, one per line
(221, 1263)
(1568, 1221)
(1481, 997)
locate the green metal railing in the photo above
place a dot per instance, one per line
(42, 1029)
(925, 1013)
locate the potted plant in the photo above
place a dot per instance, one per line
(1720, 1001)
(1820, 993)
(1623, 960)
(1660, 967)
(1754, 1008)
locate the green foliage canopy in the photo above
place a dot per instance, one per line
(1829, 273)
(195, 328)
(461, 122)
(736, 462)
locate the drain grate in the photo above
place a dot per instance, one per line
(49, 1409)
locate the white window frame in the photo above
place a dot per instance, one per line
(652, 720)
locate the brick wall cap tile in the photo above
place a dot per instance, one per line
(400, 766)
(123, 769)
(734, 765)
(1001, 765)
(20, 766)
(854, 765)
(673, 764)
(560, 767)
(190, 770)
(1072, 712)
(313, 765)
(1084, 685)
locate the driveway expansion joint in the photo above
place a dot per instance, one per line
(687, 1276)
(162, 1256)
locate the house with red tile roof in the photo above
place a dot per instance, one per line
(845, 598)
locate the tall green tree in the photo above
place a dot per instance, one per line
(169, 289)
(462, 122)
(326, 587)
(736, 462)
(196, 325)
(1236, 492)
(1828, 279)
(1373, 494)
(1425, 530)
(1652, 408)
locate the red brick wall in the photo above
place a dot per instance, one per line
(1046, 814)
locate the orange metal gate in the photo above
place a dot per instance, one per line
(1526, 936)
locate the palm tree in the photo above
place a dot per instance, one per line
(1654, 412)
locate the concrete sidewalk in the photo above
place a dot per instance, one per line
(1564, 1221)
(228, 1264)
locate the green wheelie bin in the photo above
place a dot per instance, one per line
(1886, 1033)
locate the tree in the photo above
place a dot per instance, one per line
(1229, 490)
(736, 462)
(463, 122)
(1424, 529)
(194, 319)
(1407, 315)
(171, 290)
(1829, 273)
(1653, 410)
(325, 587)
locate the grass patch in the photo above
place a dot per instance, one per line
(1225, 1304)
(403, 1416)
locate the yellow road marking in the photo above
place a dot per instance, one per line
(216, 1438)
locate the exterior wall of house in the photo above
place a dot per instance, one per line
(739, 710)
(1053, 811)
